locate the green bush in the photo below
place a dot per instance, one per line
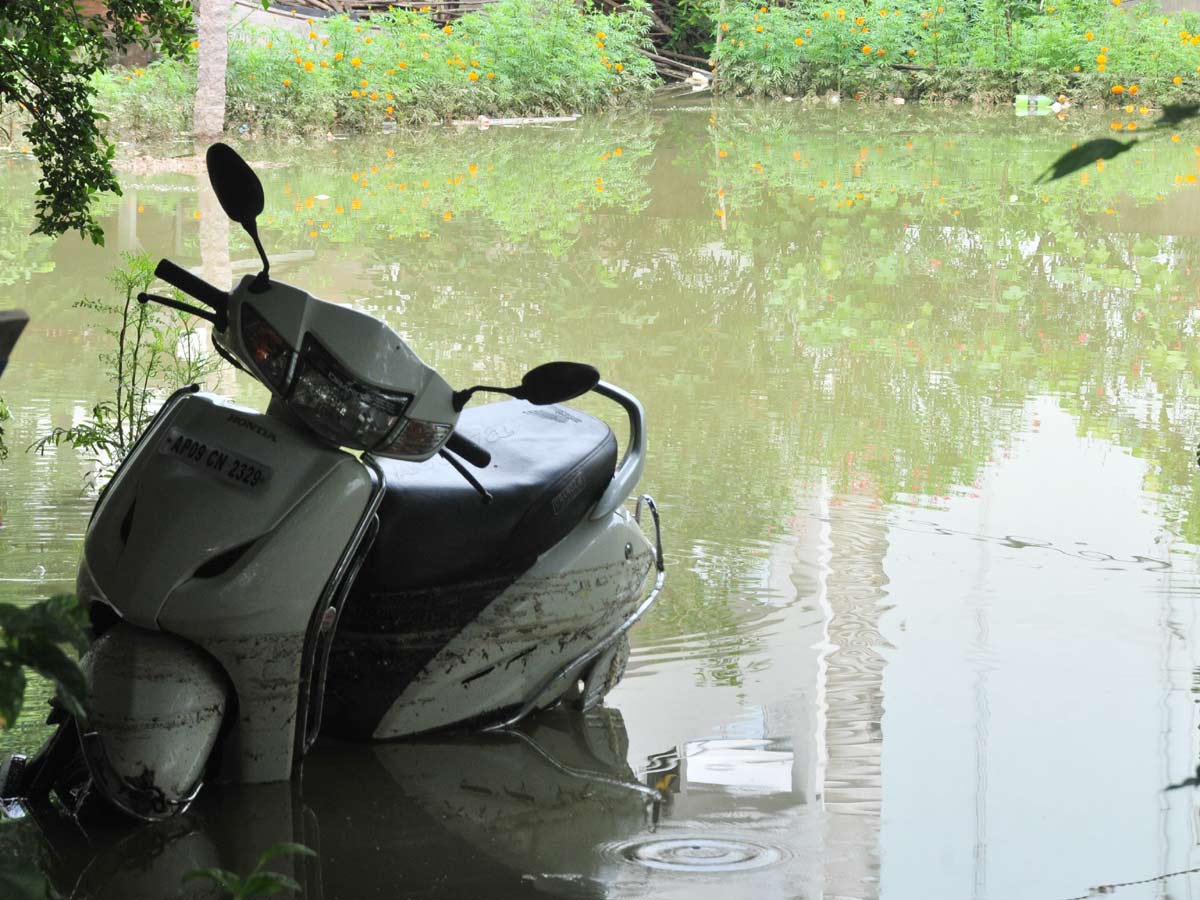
(513, 57)
(962, 49)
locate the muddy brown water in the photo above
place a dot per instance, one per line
(923, 435)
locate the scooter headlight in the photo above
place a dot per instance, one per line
(334, 404)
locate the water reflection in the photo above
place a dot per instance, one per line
(509, 815)
(922, 435)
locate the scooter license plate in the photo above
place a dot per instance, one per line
(231, 468)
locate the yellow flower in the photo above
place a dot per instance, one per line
(195, 45)
(196, 214)
(720, 213)
(338, 55)
(472, 168)
(866, 49)
(722, 154)
(356, 203)
(308, 66)
(374, 95)
(356, 62)
(363, 83)
(600, 35)
(287, 82)
(759, 29)
(1101, 58)
(1116, 2)
(620, 67)
(449, 29)
(1089, 36)
(313, 35)
(1077, 68)
(825, 15)
(324, 42)
(354, 94)
(1175, 139)
(1118, 88)
(799, 42)
(402, 65)
(473, 76)
(1101, 68)
(1178, 79)
(724, 26)
(390, 110)
(324, 64)
(447, 215)
(367, 40)
(491, 74)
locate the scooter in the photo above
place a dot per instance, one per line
(254, 579)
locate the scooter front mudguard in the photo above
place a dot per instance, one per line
(156, 703)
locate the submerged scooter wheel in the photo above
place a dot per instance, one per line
(604, 675)
(155, 704)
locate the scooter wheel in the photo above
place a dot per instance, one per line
(604, 675)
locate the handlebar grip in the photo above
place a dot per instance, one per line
(193, 286)
(469, 450)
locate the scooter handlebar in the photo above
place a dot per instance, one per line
(181, 278)
(469, 450)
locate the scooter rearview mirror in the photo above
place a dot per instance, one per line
(238, 189)
(552, 382)
(557, 382)
(240, 194)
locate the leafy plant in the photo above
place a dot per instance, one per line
(960, 49)
(33, 637)
(261, 882)
(155, 351)
(513, 57)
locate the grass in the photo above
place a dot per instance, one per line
(514, 57)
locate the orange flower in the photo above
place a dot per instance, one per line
(287, 82)
(620, 67)
(338, 55)
(1118, 88)
(195, 45)
(356, 62)
(1133, 89)
(1178, 79)
(308, 66)
(491, 74)
(866, 49)
(473, 76)
(724, 26)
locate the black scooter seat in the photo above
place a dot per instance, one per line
(549, 466)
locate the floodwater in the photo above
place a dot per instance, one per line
(923, 436)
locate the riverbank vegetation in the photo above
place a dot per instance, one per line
(513, 57)
(1089, 50)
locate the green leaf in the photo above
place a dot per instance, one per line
(264, 884)
(284, 848)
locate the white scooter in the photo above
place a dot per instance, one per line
(331, 565)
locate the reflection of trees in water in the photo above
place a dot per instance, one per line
(886, 346)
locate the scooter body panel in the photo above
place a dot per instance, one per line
(237, 569)
(573, 597)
